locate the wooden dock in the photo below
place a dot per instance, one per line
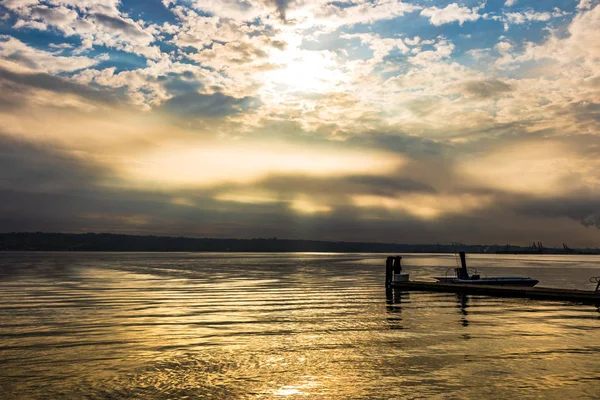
(393, 270)
(579, 296)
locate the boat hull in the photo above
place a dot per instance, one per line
(509, 281)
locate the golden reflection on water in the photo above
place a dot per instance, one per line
(276, 326)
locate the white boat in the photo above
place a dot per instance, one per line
(497, 281)
(462, 276)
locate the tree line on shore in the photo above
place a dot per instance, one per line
(42, 241)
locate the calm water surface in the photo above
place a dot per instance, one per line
(287, 326)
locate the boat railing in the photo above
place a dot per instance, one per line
(474, 271)
(476, 274)
(448, 270)
(596, 280)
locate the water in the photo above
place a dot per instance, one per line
(287, 326)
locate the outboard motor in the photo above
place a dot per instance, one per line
(462, 273)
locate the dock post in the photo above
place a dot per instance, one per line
(388, 271)
(397, 267)
(464, 273)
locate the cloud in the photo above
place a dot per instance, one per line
(282, 6)
(54, 84)
(451, 13)
(503, 47)
(151, 86)
(16, 54)
(179, 84)
(332, 15)
(121, 25)
(535, 167)
(212, 105)
(592, 220)
(27, 167)
(16, 4)
(581, 207)
(531, 15)
(238, 10)
(96, 23)
(486, 88)
(381, 46)
(213, 163)
(576, 48)
(61, 17)
(22, 24)
(442, 50)
(255, 117)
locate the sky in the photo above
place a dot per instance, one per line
(361, 120)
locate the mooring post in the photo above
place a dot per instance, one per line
(388, 271)
(464, 274)
(397, 269)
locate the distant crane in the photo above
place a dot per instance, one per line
(568, 249)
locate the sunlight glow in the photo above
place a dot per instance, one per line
(248, 197)
(302, 70)
(208, 164)
(304, 205)
(287, 392)
(536, 168)
(425, 207)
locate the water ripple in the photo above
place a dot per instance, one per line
(280, 326)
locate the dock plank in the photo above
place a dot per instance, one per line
(584, 296)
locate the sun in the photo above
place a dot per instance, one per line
(296, 69)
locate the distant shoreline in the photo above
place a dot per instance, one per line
(110, 242)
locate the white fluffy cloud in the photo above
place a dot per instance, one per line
(451, 13)
(16, 4)
(331, 15)
(18, 56)
(95, 22)
(531, 15)
(579, 48)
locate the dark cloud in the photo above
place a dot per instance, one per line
(279, 44)
(208, 105)
(29, 167)
(584, 111)
(399, 143)
(151, 213)
(282, 6)
(119, 24)
(486, 88)
(581, 207)
(21, 82)
(55, 191)
(178, 84)
(337, 188)
(23, 59)
(246, 52)
(592, 220)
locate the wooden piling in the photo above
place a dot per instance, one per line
(397, 267)
(388, 271)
